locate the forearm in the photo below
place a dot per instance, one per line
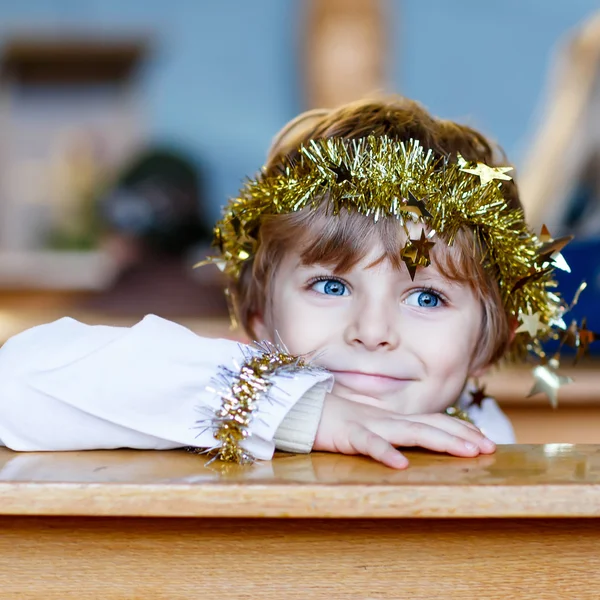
(69, 386)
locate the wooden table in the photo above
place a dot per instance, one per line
(126, 524)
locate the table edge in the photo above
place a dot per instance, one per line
(300, 501)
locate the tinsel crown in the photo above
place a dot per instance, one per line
(382, 178)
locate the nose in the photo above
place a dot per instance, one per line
(373, 326)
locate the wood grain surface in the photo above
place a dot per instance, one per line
(172, 559)
(552, 480)
(95, 525)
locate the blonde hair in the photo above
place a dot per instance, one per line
(342, 241)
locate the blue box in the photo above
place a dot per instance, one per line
(584, 259)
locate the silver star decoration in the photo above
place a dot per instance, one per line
(548, 382)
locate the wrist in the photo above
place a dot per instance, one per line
(298, 430)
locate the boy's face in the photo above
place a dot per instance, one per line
(403, 345)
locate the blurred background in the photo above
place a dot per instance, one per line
(127, 125)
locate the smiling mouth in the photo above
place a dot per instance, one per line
(370, 383)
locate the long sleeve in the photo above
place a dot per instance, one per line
(298, 430)
(71, 386)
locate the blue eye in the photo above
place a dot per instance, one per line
(330, 287)
(424, 299)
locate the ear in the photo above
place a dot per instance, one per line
(479, 372)
(258, 327)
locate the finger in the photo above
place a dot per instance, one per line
(439, 418)
(363, 441)
(415, 433)
(457, 427)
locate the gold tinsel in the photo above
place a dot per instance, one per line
(240, 391)
(382, 178)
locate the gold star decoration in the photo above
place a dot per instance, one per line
(423, 246)
(415, 206)
(580, 338)
(570, 336)
(531, 277)
(416, 253)
(409, 255)
(219, 262)
(342, 174)
(478, 395)
(548, 382)
(530, 323)
(550, 252)
(485, 172)
(585, 338)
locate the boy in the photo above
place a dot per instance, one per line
(385, 260)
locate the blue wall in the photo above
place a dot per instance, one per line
(224, 74)
(482, 63)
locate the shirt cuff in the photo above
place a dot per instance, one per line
(298, 430)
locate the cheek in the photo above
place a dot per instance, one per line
(300, 326)
(447, 361)
(448, 346)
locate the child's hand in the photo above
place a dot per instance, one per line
(350, 427)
